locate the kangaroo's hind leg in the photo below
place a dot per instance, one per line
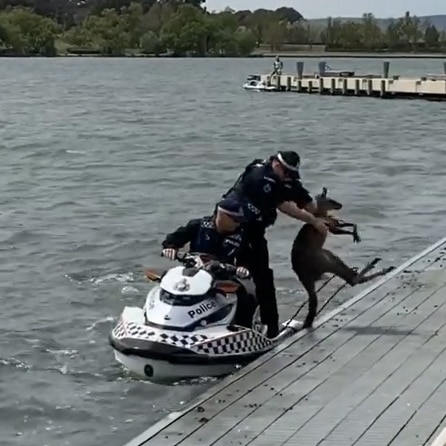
(381, 272)
(335, 265)
(309, 283)
(350, 275)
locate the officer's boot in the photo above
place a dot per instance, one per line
(273, 330)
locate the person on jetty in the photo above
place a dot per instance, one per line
(277, 66)
(264, 187)
(221, 236)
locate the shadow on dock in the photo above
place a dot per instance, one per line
(379, 330)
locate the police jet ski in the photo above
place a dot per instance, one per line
(186, 328)
(258, 85)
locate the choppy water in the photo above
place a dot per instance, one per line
(100, 157)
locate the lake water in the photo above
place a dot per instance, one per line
(99, 158)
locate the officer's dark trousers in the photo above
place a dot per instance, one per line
(246, 307)
(256, 259)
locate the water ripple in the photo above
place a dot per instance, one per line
(101, 157)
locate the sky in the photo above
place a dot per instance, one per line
(312, 9)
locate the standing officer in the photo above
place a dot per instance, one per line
(264, 187)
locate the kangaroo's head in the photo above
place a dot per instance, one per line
(325, 204)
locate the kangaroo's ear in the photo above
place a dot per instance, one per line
(324, 192)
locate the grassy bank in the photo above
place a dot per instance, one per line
(288, 51)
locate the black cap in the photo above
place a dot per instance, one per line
(290, 161)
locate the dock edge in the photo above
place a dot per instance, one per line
(172, 417)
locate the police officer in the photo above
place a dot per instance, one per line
(221, 236)
(264, 187)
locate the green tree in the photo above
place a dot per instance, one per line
(152, 44)
(30, 33)
(157, 16)
(187, 31)
(410, 30)
(132, 16)
(109, 32)
(443, 40)
(259, 22)
(276, 34)
(196, 3)
(289, 14)
(79, 36)
(4, 34)
(431, 37)
(372, 35)
(222, 38)
(246, 41)
(393, 36)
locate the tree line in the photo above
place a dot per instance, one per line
(185, 27)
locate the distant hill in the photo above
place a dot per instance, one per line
(439, 21)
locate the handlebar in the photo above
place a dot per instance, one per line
(193, 260)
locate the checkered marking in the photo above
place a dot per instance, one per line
(181, 340)
(236, 343)
(137, 331)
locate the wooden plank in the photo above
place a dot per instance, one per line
(441, 439)
(321, 413)
(347, 363)
(425, 423)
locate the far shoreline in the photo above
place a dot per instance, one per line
(283, 55)
(356, 55)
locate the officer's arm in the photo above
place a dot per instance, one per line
(183, 235)
(304, 200)
(311, 207)
(290, 208)
(300, 195)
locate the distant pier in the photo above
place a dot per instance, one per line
(349, 83)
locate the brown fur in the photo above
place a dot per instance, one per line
(310, 260)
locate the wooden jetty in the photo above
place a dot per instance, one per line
(372, 373)
(348, 83)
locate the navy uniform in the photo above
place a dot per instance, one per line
(262, 191)
(204, 238)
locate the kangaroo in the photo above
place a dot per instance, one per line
(310, 260)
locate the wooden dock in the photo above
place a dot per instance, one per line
(348, 83)
(373, 372)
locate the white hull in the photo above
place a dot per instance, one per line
(165, 371)
(259, 86)
(178, 336)
(239, 347)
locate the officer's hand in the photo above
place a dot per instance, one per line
(198, 262)
(320, 225)
(170, 253)
(242, 272)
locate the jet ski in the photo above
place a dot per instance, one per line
(258, 85)
(187, 327)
